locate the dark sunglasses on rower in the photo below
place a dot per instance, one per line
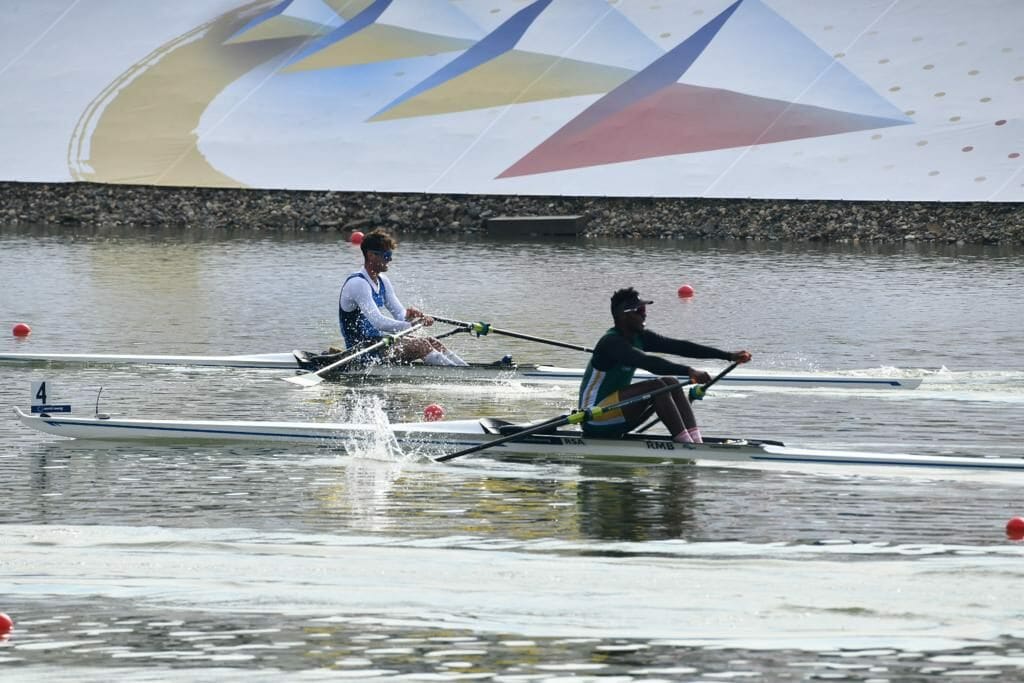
(642, 308)
(384, 254)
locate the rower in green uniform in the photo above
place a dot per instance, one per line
(617, 355)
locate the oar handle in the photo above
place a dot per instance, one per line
(697, 392)
(484, 328)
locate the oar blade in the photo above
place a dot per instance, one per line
(308, 380)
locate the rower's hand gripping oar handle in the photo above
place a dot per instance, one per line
(697, 391)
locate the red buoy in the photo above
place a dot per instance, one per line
(1015, 529)
(22, 330)
(433, 413)
(356, 238)
(685, 292)
(6, 624)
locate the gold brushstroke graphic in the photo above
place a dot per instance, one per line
(282, 27)
(142, 128)
(512, 78)
(348, 9)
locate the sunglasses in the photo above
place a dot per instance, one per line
(384, 254)
(642, 308)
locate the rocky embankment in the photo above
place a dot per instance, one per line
(87, 204)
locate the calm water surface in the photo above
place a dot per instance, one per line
(196, 562)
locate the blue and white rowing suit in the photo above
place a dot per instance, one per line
(361, 306)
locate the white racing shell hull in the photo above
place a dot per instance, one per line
(282, 361)
(437, 438)
(476, 371)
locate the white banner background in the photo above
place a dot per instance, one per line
(875, 100)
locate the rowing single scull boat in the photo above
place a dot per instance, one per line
(433, 438)
(298, 360)
(274, 361)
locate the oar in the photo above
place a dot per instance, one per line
(480, 329)
(576, 417)
(696, 392)
(339, 354)
(457, 330)
(313, 378)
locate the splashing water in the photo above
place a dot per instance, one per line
(375, 439)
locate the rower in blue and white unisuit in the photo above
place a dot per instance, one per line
(365, 296)
(617, 355)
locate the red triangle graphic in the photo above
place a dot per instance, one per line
(682, 119)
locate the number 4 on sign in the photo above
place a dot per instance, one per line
(39, 393)
(42, 393)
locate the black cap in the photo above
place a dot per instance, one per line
(629, 303)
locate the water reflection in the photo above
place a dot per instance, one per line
(641, 505)
(106, 640)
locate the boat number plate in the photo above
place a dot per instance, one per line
(42, 396)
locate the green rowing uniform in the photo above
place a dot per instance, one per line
(614, 363)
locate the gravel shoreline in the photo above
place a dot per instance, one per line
(100, 205)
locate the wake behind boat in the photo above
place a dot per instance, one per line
(503, 369)
(434, 438)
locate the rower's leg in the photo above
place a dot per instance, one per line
(454, 358)
(438, 358)
(674, 403)
(450, 357)
(662, 404)
(672, 408)
(407, 350)
(682, 403)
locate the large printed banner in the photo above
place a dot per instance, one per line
(831, 99)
